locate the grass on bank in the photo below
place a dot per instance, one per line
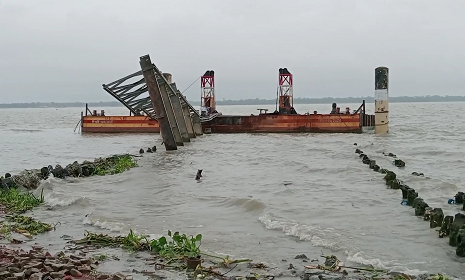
(173, 247)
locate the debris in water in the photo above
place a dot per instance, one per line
(199, 174)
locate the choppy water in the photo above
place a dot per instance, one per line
(265, 196)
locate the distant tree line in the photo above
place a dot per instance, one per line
(256, 101)
(329, 100)
(61, 104)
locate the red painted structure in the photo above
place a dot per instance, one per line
(285, 119)
(286, 95)
(273, 123)
(207, 97)
(100, 123)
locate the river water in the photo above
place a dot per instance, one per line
(263, 196)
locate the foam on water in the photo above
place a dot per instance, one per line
(316, 235)
(104, 224)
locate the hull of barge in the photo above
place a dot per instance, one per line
(119, 124)
(264, 123)
(269, 123)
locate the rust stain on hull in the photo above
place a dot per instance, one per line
(122, 124)
(268, 123)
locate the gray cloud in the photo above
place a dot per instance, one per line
(59, 50)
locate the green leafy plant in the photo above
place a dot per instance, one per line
(18, 202)
(173, 247)
(28, 224)
(179, 245)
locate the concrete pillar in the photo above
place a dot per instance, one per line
(176, 102)
(178, 106)
(197, 125)
(168, 77)
(169, 110)
(186, 115)
(381, 100)
(188, 120)
(157, 102)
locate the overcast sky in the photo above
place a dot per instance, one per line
(65, 50)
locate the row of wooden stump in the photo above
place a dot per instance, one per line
(449, 226)
(149, 150)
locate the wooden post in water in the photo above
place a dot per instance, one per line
(381, 100)
(157, 102)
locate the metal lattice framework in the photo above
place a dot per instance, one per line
(132, 92)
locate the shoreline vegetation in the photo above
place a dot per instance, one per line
(170, 253)
(256, 101)
(16, 197)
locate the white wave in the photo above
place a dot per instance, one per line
(322, 238)
(49, 182)
(386, 265)
(112, 226)
(316, 235)
(195, 226)
(54, 200)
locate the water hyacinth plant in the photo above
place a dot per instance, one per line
(18, 202)
(178, 247)
(26, 226)
(113, 165)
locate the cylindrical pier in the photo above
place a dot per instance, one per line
(381, 100)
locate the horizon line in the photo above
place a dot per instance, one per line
(264, 99)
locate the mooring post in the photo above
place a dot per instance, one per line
(363, 114)
(82, 120)
(157, 102)
(177, 107)
(381, 100)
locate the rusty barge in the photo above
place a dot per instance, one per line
(98, 122)
(284, 119)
